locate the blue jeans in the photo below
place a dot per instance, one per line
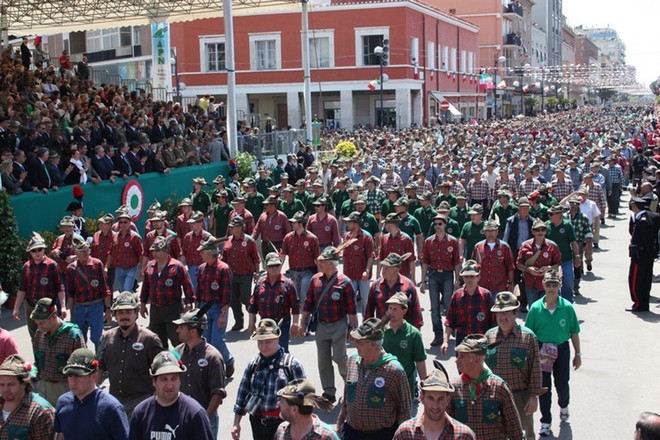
(193, 271)
(568, 278)
(301, 280)
(440, 283)
(124, 278)
(561, 371)
(284, 336)
(215, 424)
(90, 316)
(533, 295)
(363, 288)
(216, 336)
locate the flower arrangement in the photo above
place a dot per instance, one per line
(346, 150)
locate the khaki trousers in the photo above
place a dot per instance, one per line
(520, 398)
(331, 346)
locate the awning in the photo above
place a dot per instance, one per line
(453, 110)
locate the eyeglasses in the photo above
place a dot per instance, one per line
(438, 223)
(539, 230)
(34, 251)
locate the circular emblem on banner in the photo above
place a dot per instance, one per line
(215, 285)
(306, 243)
(403, 344)
(336, 296)
(277, 227)
(546, 255)
(379, 382)
(562, 230)
(138, 346)
(327, 229)
(202, 362)
(450, 249)
(133, 198)
(95, 283)
(481, 316)
(562, 322)
(44, 281)
(169, 282)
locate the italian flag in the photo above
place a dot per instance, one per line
(501, 85)
(373, 84)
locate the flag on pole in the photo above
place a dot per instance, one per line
(501, 85)
(525, 89)
(373, 84)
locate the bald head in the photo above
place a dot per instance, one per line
(648, 426)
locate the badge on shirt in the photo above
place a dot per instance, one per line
(306, 243)
(202, 362)
(278, 299)
(44, 281)
(365, 225)
(215, 285)
(336, 296)
(138, 346)
(327, 229)
(403, 344)
(277, 227)
(481, 316)
(562, 230)
(450, 249)
(169, 282)
(244, 243)
(127, 244)
(481, 232)
(499, 253)
(546, 255)
(407, 223)
(95, 283)
(379, 382)
(562, 323)
(356, 247)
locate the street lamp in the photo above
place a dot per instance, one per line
(382, 52)
(500, 60)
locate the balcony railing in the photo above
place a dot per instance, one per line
(514, 8)
(513, 39)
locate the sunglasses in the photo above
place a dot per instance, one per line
(34, 251)
(539, 230)
(123, 222)
(438, 223)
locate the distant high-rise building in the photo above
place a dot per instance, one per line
(608, 41)
(547, 14)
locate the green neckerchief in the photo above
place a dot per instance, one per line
(473, 384)
(385, 358)
(64, 328)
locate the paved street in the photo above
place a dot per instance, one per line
(619, 351)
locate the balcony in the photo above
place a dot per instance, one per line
(513, 39)
(513, 8)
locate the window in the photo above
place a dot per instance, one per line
(369, 44)
(445, 58)
(430, 53)
(319, 52)
(452, 60)
(215, 57)
(107, 39)
(366, 40)
(463, 61)
(265, 51)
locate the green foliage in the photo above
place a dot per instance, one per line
(244, 163)
(171, 205)
(551, 103)
(655, 87)
(10, 263)
(92, 225)
(606, 94)
(531, 103)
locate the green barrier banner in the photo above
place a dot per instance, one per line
(39, 211)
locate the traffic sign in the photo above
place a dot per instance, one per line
(444, 105)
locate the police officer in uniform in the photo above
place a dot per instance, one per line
(643, 250)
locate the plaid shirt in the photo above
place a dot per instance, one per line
(389, 181)
(326, 229)
(469, 314)
(375, 200)
(357, 254)
(241, 255)
(561, 190)
(102, 245)
(214, 282)
(549, 256)
(478, 190)
(34, 416)
(376, 396)
(597, 195)
(413, 429)
(126, 250)
(182, 226)
(320, 431)
(456, 188)
(337, 303)
(302, 249)
(510, 182)
(63, 244)
(94, 287)
(189, 247)
(175, 245)
(441, 254)
(380, 292)
(616, 174)
(163, 288)
(581, 226)
(528, 186)
(51, 351)
(495, 265)
(493, 415)
(264, 377)
(40, 280)
(272, 228)
(515, 358)
(275, 300)
(423, 187)
(399, 244)
(248, 221)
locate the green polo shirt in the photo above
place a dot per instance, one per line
(548, 201)
(413, 205)
(460, 215)
(555, 328)
(255, 204)
(386, 208)
(277, 173)
(339, 197)
(563, 235)
(500, 213)
(410, 226)
(291, 208)
(369, 223)
(452, 228)
(541, 212)
(262, 187)
(449, 198)
(425, 218)
(305, 198)
(407, 345)
(201, 202)
(330, 206)
(221, 216)
(472, 234)
(346, 208)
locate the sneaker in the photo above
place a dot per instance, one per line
(589, 267)
(563, 414)
(545, 430)
(330, 397)
(436, 341)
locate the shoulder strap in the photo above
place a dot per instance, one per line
(81, 273)
(287, 364)
(533, 258)
(325, 292)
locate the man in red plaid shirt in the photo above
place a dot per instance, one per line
(157, 229)
(101, 246)
(214, 285)
(535, 257)
(182, 226)
(242, 256)
(63, 252)
(397, 242)
(275, 297)
(358, 258)
(239, 211)
(469, 308)
(496, 260)
(386, 286)
(332, 299)
(164, 280)
(302, 248)
(89, 296)
(190, 255)
(272, 226)
(40, 278)
(125, 255)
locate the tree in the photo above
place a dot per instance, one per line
(10, 247)
(655, 87)
(531, 103)
(551, 103)
(605, 94)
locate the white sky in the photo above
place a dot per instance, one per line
(636, 22)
